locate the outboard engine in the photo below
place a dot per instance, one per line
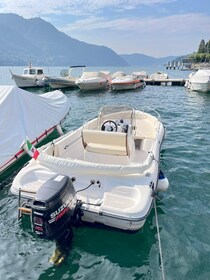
(54, 208)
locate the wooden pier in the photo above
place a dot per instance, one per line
(165, 82)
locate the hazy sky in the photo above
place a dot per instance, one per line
(152, 27)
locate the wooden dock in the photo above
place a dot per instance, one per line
(165, 82)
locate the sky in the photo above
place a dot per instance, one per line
(156, 28)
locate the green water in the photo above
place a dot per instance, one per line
(183, 211)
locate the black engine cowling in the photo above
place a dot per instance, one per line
(53, 208)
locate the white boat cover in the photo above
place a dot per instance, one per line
(124, 79)
(202, 76)
(25, 114)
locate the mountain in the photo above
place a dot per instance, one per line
(23, 40)
(145, 60)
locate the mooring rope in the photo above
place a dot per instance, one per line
(159, 242)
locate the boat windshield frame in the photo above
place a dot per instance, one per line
(125, 112)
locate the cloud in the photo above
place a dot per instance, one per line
(159, 36)
(76, 7)
(169, 24)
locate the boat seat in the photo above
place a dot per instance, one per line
(104, 142)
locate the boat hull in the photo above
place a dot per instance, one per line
(113, 222)
(93, 84)
(58, 83)
(127, 86)
(26, 82)
(21, 157)
(202, 87)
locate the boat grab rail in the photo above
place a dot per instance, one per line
(21, 208)
(153, 110)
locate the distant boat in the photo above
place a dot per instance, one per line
(32, 77)
(127, 82)
(94, 80)
(199, 81)
(27, 114)
(158, 76)
(186, 68)
(66, 79)
(140, 74)
(118, 74)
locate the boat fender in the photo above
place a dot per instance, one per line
(59, 130)
(163, 182)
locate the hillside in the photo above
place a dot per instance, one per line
(145, 60)
(23, 40)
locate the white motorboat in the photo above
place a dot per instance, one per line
(158, 76)
(66, 79)
(24, 114)
(94, 81)
(199, 81)
(106, 172)
(127, 82)
(31, 77)
(140, 74)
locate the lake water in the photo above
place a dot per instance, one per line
(183, 211)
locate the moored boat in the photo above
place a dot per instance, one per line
(31, 77)
(140, 74)
(94, 80)
(158, 76)
(127, 82)
(66, 79)
(27, 117)
(199, 81)
(111, 165)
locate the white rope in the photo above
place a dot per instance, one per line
(159, 242)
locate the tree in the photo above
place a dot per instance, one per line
(208, 47)
(202, 47)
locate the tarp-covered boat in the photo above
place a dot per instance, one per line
(22, 114)
(127, 82)
(94, 80)
(199, 81)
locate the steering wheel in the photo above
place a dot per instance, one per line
(109, 126)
